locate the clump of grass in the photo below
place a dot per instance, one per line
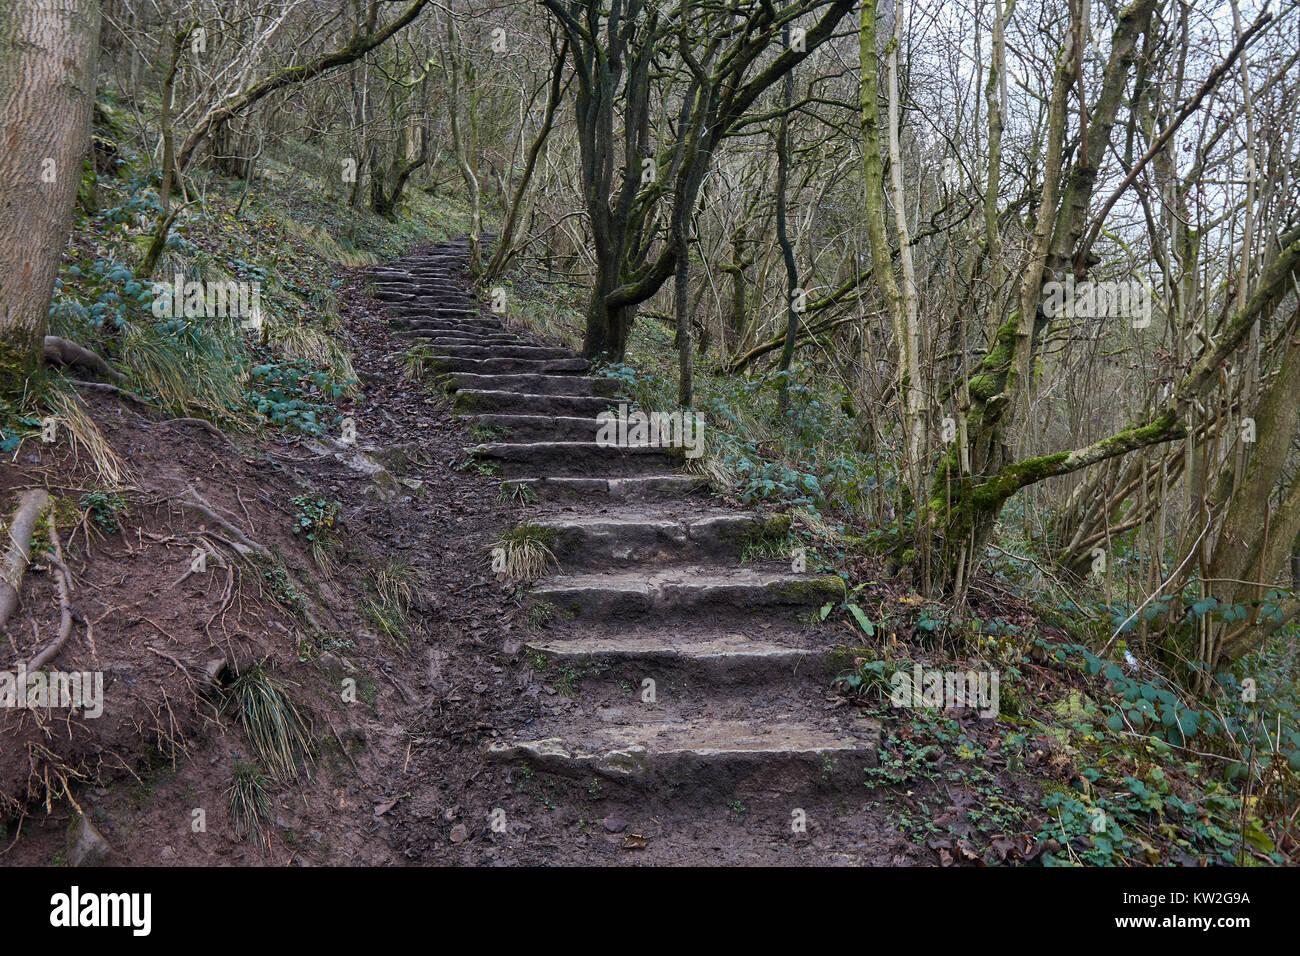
(415, 363)
(389, 621)
(324, 551)
(523, 553)
(395, 586)
(395, 583)
(322, 243)
(513, 492)
(276, 731)
(714, 468)
(189, 369)
(817, 523)
(306, 344)
(85, 437)
(769, 539)
(539, 614)
(250, 802)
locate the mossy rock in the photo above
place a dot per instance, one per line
(812, 590)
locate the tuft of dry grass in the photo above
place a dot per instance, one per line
(84, 437)
(277, 732)
(250, 802)
(711, 466)
(395, 583)
(523, 553)
(307, 344)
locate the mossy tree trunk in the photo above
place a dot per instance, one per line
(48, 51)
(976, 476)
(963, 509)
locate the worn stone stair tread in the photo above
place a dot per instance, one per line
(531, 428)
(441, 340)
(537, 384)
(587, 540)
(682, 587)
(437, 329)
(437, 307)
(557, 458)
(629, 487)
(499, 366)
(474, 338)
(651, 751)
(510, 351)
(497, 400)
(418, 311)
(433, 327)
(635, 520)
(726, 657)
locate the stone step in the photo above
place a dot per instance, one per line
(561, 458)
(472, 401)
(478, 338)
(427, 335)
(664, 487)
(509, 366)
(504, 351)
(474, 320)
(436, 301)
(438, 307)
(442, 340)
(669, 590)
(420, 286)
(433, 301)
(415, 280)
(531, 428)
(725, 659)
(707, 755)
(591, 541)
(531, 384)
(445, 325)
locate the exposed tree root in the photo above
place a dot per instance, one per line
(19, 552)
(112, 390)
(65, 600)
(67, 352)
(195, 502)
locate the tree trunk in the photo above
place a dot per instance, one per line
(47, 90)
(783, 238)
(682, 306)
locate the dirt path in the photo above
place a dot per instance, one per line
(671, 705)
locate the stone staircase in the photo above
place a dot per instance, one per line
(650, 591)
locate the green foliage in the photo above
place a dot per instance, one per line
(105, 510)
(294, 395)
(18, 420)
(870, 680)
(315, 517)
